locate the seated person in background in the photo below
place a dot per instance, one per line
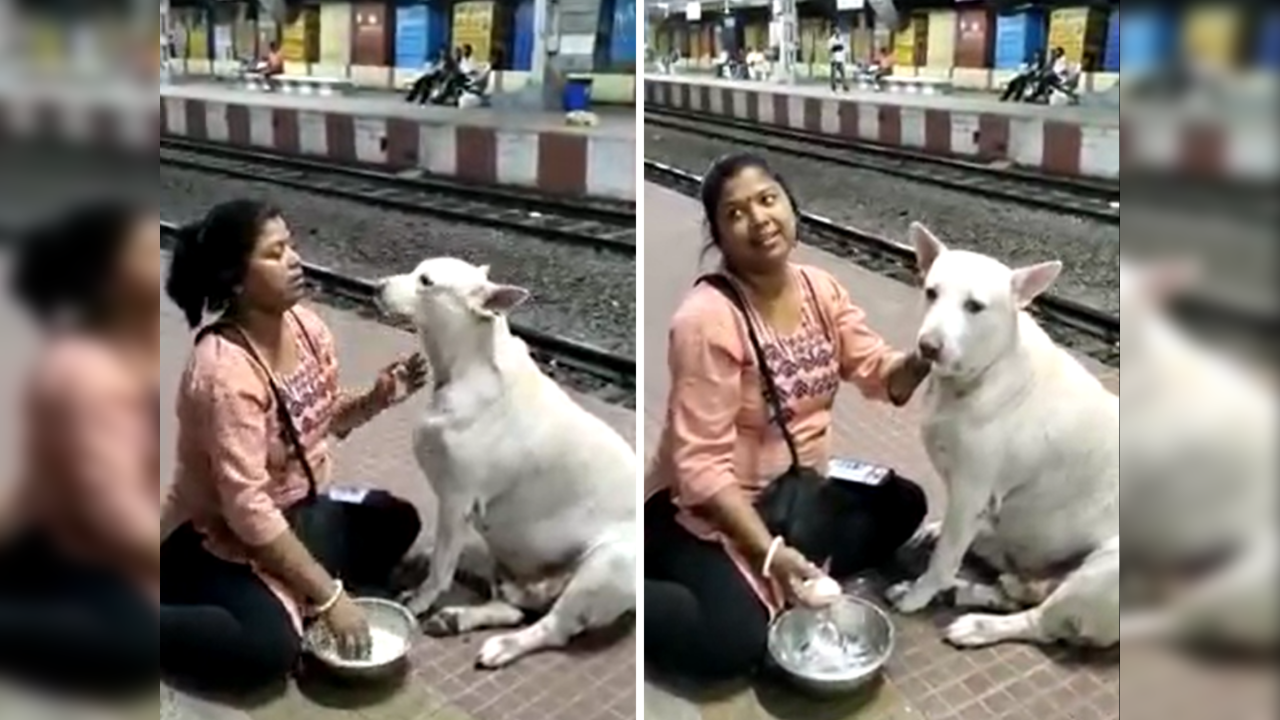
(1058, 77)
(443, 66)
(883, 66)
(273, 66)
(756, 64)
(1030, 72)
(466, 60)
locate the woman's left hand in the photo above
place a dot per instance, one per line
(411, 372)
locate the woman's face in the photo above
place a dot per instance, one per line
(139, 279)
(756, 222)
(273, 282)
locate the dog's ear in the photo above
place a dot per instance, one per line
(1030, 283)
(502, 299)
(928, 248)
(484, 270)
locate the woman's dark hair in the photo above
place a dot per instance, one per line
(724, 170)
(210, 258)
(65, 265)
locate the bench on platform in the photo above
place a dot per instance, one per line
(297, 84)
(907, 85)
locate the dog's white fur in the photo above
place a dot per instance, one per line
(549, 487)
(1199, 467)
(1027, 441)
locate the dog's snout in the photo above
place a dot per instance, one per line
(930, 349)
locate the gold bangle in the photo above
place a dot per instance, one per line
(326, 606)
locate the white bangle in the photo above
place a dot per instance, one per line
(328, 605)
(768, 558)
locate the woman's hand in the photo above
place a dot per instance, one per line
(349, 628)
(411, 372)
(798, 578)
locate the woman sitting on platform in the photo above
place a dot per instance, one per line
(80, 559)
(715, 571)
(263, 538)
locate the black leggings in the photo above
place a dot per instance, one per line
(222, 630)
(72, 626)
(703, 620)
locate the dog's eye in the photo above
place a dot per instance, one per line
(931, 295)
(424, 281)
(973, 307)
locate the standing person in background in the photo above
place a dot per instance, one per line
(839, 50)
(80, 554)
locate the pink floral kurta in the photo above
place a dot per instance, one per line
(92, 478)
(236, 472)
(717, 433)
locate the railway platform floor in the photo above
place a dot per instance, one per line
(615, 123)
(927, 679)
(957, 103)
(593, 680)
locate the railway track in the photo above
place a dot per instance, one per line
(599, 225)
(1095, 200)
(589, 370)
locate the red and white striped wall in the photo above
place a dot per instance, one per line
(560, 163)
(1059, 148)
(105, 124)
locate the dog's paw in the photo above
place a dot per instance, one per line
(973, 631)
(909, 598)
(419, 603)
(500, 651)
(980, 596)
(446, 623)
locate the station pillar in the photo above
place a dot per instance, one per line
(565, 37)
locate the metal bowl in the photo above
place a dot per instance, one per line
(837, 650)
(393, 628)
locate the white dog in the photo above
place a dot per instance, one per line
(1199, 467)
(1027, 441)
(549, 487)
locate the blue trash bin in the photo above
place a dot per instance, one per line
(577, 94)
